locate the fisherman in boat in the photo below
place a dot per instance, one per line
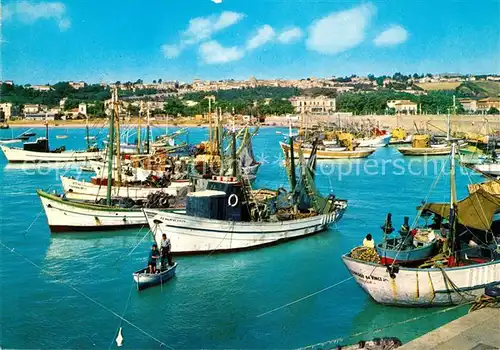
(368, 241)
(153, 255)
(166, 251)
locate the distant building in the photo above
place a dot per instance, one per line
(82, 109)
(493, 78)
(7, 82)
(77, 85)
(39, 116)
(490, 102)
(314, 105)
(403, 106)
(41, 87)
(6, 111)
(468, 104)
(62, 102)
(34, 108)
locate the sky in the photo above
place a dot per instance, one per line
(105, 41)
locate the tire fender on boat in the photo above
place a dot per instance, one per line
(232, 201)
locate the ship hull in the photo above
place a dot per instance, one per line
(82, 190)
(377, 142)
(423, 287)
(329, 154)
(17, 155)
(63, 215)
(194, 235)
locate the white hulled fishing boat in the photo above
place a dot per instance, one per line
(65, 214)
(229, 216)
(375, 142)
(38, 152)
(84, 190)
(468, 262)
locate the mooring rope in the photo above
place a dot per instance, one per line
(85, 295)
(304, 298)
(331, 342)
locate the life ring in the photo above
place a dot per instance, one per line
(232, 201)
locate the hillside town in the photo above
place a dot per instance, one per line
(316, 96)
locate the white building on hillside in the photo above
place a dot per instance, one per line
(314, 105)
(6, 109)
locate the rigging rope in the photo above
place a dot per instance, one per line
(84, 295)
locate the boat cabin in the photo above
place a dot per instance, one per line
(223, 199)
(40, 145)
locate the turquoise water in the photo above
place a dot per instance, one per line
(214, 301)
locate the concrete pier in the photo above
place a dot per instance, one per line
(479, 330)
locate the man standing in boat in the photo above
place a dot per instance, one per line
(166, 251)
(153, 255)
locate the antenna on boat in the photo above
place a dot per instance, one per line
(147, 130)
(141, 111)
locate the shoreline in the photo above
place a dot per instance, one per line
(484, 124)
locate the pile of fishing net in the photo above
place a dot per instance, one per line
(154, 181)
(159, 200)
(365, 254)
(385, 343)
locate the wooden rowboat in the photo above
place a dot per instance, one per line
(145, 280)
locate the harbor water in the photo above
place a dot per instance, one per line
(67, 290)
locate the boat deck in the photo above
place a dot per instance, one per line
(477, 330)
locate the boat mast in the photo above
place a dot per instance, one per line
(293, 178)
(453, 199)
(233, 136)
(110, 151)
(147, 131)
(87, 131)
(210, 123)
(139, 129)
(117, 139)
(47, 148)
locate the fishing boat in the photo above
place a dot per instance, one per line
(144, 279)
(329, 152)
(374, 142)
(7, 141)
(64, 214)
(409, 247)
(85, 190)
(399, 137)
(421, 146)
(39, 152)
(468, 260)
(229, 216)
(488, 168)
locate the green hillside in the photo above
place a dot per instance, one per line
(480, 88)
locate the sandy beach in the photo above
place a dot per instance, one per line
(483, 124)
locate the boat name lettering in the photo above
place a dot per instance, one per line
(369, 277)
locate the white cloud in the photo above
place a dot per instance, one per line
(263, 35)
(29, 12)
(290, 35)
(212, 52)
(171, 51)
(201, 29)
(394, 35)
(340, 31)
